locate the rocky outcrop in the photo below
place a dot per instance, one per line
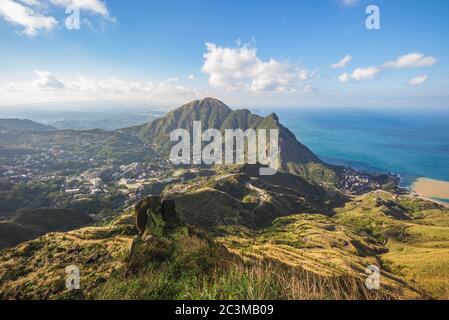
(156, 217)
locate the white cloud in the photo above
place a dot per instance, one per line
(418, 80)
(365, 73)
(360, 74)
(95, 6)
(191, 77)
(344, 77)
(47, 80)
(412, 60)
(29, 13)
(241, 69)
(19, 14)
(48, 83)
(114, 85)
(342, 63)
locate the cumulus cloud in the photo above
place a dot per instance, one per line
(344, 77)
(418, 80)
(29, 13)
(48, 82)
(412, 60)
(19, 14)
(241, 69)
(191, 77)
(365, 73)
(342, 63)
(360, 74)
(114, 85)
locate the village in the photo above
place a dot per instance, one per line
(89, 180)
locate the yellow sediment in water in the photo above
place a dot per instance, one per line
(431, 188)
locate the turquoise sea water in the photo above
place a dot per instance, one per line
(411, 143)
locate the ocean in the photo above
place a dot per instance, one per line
(411, 143)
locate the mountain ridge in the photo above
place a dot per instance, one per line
(24, 125)
(214, 114)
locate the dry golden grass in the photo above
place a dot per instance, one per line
(318, 249)
(36, 269)
(298, 257)
(418, 248)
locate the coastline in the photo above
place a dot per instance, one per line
(432, 190)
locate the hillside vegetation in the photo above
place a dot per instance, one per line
(28, 224)
(303, 256)
(24, 125)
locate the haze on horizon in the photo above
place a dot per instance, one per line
(283, 54)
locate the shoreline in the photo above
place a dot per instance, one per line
(431, 190)
(417, 196)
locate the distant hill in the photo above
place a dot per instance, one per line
(29, 224)
(24, 125)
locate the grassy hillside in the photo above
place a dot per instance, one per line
(414, 232)
(238, 195)
(28, 224)
(303, 256)
(36, 269)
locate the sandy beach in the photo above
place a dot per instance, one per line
(429, 188)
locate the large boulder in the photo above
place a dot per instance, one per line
(156, 220)
(156, 217)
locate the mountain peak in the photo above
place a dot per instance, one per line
(214, 114)
(206, 103)
(210, 100)
(273, 116)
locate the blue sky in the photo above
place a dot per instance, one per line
(247, 53)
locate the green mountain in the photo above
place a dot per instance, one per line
(214, 114)
(24, 125)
